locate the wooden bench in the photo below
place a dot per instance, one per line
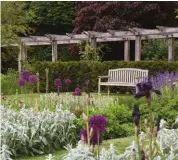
(122, 77)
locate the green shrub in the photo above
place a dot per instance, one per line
(119, 118)
(78, 71)
(9, 83)
(157, 49)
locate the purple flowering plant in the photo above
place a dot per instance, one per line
(33, 79)
(26, 77)
(21, 82)
(136, 115)
(67, 82)
(58, 85)
(144, 89)
(97, 126)
(77, 92)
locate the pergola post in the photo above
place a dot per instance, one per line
(171, 49)
(127, 50)
(138, 48)
(54, 51)
(93, 42)
(22, 57)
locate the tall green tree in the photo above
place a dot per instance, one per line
(15, 19)
(54, 17)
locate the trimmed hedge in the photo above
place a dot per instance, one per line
(78, 71)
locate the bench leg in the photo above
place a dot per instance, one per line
(99, 89)
(136, 89)
(108, 91)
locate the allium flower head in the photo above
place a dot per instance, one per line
(77, 92)
(33, 79)
(145, 89)
(67, 81)
(98, 122)
(57, 82)
(136, 115)
(21, 82)
(25, 75)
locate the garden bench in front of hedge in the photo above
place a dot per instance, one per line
(122, 77)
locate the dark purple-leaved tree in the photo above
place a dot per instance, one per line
(101, 16)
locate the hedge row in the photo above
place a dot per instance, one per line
(78, 71)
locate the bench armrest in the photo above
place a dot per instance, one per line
(103, 76)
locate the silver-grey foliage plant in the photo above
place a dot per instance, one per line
(30, 132)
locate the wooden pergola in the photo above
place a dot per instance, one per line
(136, 34)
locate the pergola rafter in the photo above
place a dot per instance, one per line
(136, 34)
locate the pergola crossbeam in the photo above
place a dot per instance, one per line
(167, 29)
(40, 38)
(136, 34)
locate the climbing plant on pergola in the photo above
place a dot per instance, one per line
(136, 34)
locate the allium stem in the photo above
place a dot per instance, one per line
(47, 79)
(88, 135)
(98, 138)
(151, 133)
(138, 143)
(38, 82)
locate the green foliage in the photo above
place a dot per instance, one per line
(166, 105)
(9, 83)
(15, 21)
(176, 13)
(9, 58)
(88, 52)
(53, 16)
(119, 120)
(157, 49)
(78, 71)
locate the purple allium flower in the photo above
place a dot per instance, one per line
(136, 115)
(67, 81)
(83, 135)
(144, 89)
(77, 92)
(25, 75)
(98, 123)
(57, 82)
(21, 82)
(33, 79)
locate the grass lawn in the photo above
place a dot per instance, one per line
(120, 144)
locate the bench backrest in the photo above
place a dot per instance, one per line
(127, 75)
